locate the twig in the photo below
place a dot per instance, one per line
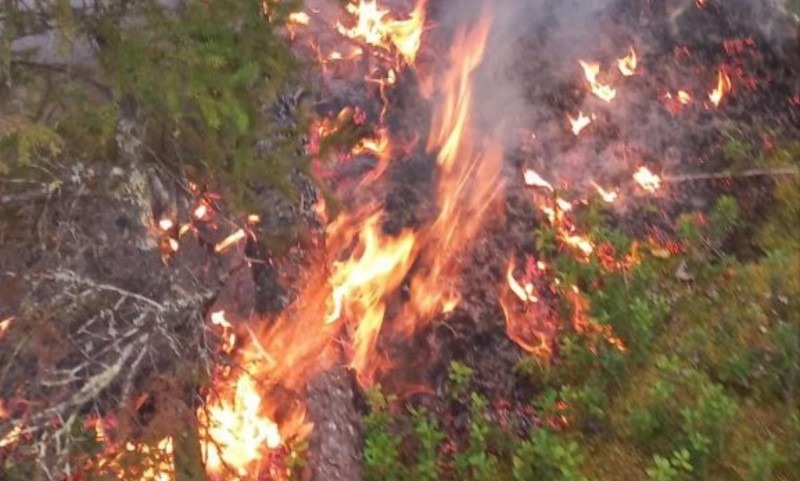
(727, 175)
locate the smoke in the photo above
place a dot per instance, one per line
(530, 80)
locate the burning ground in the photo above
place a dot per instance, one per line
(536, 240)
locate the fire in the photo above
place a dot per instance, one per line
(374, 28)
(723, 87)
(227, 242)
(526, 293)
(378, 265)
(535, 180)
(166, 224)
(580, 123)
(11, 437)
(218, 319)
(235, 433)
(591, 70)
(627, 64)
(581, 243)
(299, 18)
(683, 97)
(201, 211)
(647, 180)
(4, 325)
(608, 196)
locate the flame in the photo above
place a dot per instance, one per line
(535, 180)
(581, 243)
(227, 242)
(235, 432)
(647, 180)
(166, 224)
(722, 88)
(627, 64)
(608, 196)
(373, 27)
(591, 70)
(525, 294)
(299, 18)
(4, 325)
(11, 437)
(683, 97)
(578, 124)
(201, 211)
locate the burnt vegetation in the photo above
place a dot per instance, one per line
(241, 241)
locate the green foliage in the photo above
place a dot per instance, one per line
(459, 376)
(429, 437)
(762, 464)
(381, 446)
(547, 457)
(675, 468)
(474, 462)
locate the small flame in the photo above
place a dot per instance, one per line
(12, 436)
(4, 325)
(591, 70)
(173, 245)
(683, 97)
(229, 241)
(253, 219)
(723, 87)
(647, 180)
(608, 196)
(581, 243)
(580, 123)
(200, 212)
(535, 180)
(525, 294)
(166, 224)
(627, 64)
(299, 18)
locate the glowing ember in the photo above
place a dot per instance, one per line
(684, 97)
(607, 195)
(166, 224)
(647, 180)
(4, 325)
(627, 64)
(602, 91)
(253, 219)
(722, 88)
(564, 205)
(173, 245)
(11, 437)
(229, 241)
(535, 180)
(580, 123)
(200, 212)
(235, 433)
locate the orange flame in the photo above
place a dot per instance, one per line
(236, 434)
(647, 180)
(525, 293)
(627, 64)
(683, 97)
(535, 180)
(722, 88)
(591, 70)
(580, 123)
(4, 325)
(166, 224)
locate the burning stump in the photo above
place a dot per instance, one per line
(336, 442)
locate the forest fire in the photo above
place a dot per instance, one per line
(414, 203)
